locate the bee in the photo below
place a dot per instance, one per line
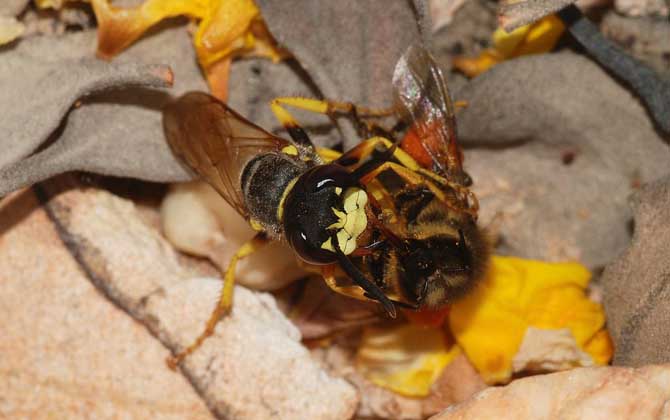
(388, 221)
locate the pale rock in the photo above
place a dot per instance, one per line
(607, 393)
(10, 29)
(253, 367)
(67, 351)
(457, 382)
(544, 350)
(642, 7)
(197, 220)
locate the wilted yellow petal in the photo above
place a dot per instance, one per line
(536, 38)
(406, 359)
(472, 67)
(224, 29)
(50, 4)
(490, 323)
(218, 75)
(600, 347)
(119, 27)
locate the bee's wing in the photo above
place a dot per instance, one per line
(423, 101)
(216, 142)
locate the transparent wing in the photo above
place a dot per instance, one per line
(423, 101)
(216, 142)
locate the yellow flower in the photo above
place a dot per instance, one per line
(536, 38)
(542, 305)
(490, 324)
(405, 358)
(226, 29)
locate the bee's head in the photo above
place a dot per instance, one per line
(441, 268)
(324, 209)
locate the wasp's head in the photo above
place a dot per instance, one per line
(324, 209)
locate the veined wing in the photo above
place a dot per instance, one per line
(216, 142)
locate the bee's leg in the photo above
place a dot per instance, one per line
(225, 299)
(356, 292)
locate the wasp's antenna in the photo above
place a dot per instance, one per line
(371, 290)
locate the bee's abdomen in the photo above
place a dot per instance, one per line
(264, 180)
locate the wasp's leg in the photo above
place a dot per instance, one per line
(428, 179)
(358, 114)
(225, 299)
(354, 158)
(328, 155)
(297, 133)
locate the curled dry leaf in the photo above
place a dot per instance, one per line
(59, 69)
(109, 132)
(117, 132)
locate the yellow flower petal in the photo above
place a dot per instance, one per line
(536, 38)
(490, 323)
(227, 29)
(406, 359)
(119, 27)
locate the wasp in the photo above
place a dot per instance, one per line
(389, 221)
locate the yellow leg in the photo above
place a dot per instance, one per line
(331, 109)
(416, 178)
(366, 147)
(356, 292)
(461, 104)
(225, 299)
(328, 107)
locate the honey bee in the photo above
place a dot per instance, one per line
(388, 221)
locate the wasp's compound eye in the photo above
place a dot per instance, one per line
(306, 249)
(308, 212)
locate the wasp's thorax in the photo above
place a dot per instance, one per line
(263, 181)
